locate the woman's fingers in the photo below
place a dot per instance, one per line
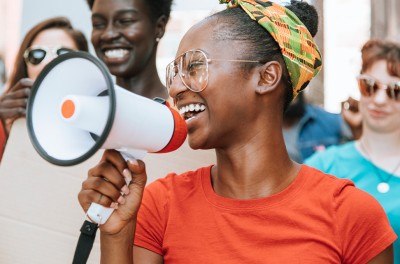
(21, 84)
(14, 101)
(87, 197)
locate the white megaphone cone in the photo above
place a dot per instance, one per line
(75, 109)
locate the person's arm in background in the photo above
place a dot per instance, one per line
(13, 102)
(3, 140)
(352, 117)
(12, 106)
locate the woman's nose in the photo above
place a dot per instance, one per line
(176, 87)
(110, 32)
(381, 95)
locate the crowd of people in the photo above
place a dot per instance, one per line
(289, 177)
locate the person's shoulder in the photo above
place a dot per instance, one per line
(344, 194)
(353, 203)
(331, 155)
(325, 181)
(322, 116)
(320, 112)
(359, 218)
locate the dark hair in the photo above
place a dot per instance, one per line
(20, 69)
(375, 50)
(236, 25)
(158, 8)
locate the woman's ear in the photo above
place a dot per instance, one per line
(270, 77)
(160, 26)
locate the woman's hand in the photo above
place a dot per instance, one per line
(107, 185)
(352, 116)
(13, 102)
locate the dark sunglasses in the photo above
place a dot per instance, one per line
(36, 54)
(369, 86)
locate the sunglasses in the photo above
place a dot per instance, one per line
(192, 68)
(36, 54)
(369, 86)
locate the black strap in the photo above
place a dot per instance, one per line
(85, 242)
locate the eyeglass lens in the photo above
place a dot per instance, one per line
(369, 87)
(37, 55)
(192, 67)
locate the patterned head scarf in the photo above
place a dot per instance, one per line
(300, 52)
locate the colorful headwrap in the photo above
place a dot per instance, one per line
(300, 52)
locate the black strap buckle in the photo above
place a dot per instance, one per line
(85, 242)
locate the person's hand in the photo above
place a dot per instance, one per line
(107, 185)
(352, 116)
(13, 102)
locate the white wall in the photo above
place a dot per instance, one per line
(34, 11)
(347, 28)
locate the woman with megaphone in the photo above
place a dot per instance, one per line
(126, 36)
(234, 75)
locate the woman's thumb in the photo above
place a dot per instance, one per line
(138, 170)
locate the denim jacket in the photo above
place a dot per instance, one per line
(317, 130)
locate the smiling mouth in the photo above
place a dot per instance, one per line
(190, 111)
(116, 53)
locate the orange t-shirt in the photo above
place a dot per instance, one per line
(3, 140)
(317, 219)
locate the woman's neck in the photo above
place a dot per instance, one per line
(382, 144)
(145, 82)
(383, 150)
(148, 86)
(252, 170)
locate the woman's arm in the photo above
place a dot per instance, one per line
(385, 257)
(142, 255)
(106, 185)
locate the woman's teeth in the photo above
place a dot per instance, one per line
(116, 53)
(191, 110)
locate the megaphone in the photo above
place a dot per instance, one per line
(75, 109)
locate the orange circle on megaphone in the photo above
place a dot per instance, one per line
(68, 109)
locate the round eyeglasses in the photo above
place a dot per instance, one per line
(192, 68)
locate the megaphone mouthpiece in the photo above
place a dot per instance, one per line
(179, 134)
(68, 109)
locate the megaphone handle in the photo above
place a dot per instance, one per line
(100, 214)
(131, 154)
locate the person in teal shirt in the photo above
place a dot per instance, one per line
(373, 161)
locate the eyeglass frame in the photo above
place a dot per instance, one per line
(208, 60)
(47, 49)
(390, 90)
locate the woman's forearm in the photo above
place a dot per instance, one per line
(118, 248)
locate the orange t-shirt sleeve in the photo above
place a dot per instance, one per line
(363, 227)
(152, 217)
(3, 140)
